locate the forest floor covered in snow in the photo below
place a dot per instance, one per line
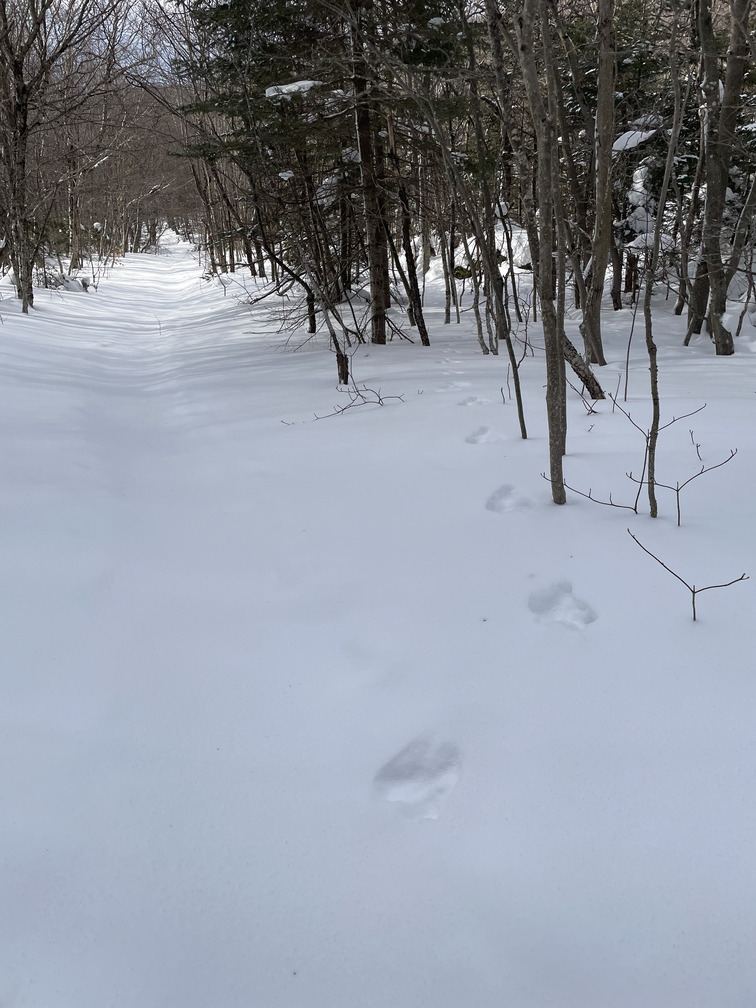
(340, 712)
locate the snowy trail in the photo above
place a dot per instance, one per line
(338, 713)
(109, 601)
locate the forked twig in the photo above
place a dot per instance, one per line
(589, 407)
(691, 588)
(679, 486)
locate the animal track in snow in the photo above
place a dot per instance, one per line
(478, 436)
(420, 777)
(506, 499)
(453, 386)
(474, 401)
(557, 604)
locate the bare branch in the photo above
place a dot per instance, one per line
(685, 416)
(589, 496)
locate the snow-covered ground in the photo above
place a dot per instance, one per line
(340, 712)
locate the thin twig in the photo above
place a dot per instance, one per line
(359, 396)
(589, 407)
(623, 410)
(589, 496)
(704, 468)
(685, 416)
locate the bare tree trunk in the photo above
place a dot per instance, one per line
(476, 299)
(653, 434)
(533, 13)
(616, 260)
(722, 104)
(443, 248)
(602, 228)
(374, 226)
(15, 147)
(74, 220)
(695, 318)
(742, 230)
(412, 286)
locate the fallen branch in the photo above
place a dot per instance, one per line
(360, 396)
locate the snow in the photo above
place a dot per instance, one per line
(330, 713)
(287, 91)
(631, 139)
(645, 240)
(328, 191)
(71, 283)
(649, 120)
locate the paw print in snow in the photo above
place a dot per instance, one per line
(557, 604)
(506, 499)
(420, 777)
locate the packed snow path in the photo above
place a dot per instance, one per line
(332, 713)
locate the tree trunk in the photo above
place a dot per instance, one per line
(532, 14)
(19, 224)
(653, 433)
(412, 286)
(722, 104)
(374, 225)
(602, 229)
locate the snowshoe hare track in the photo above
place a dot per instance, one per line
(420, 777)
(474, 401)
(557, 604)
(479, 436)
(506, 499)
